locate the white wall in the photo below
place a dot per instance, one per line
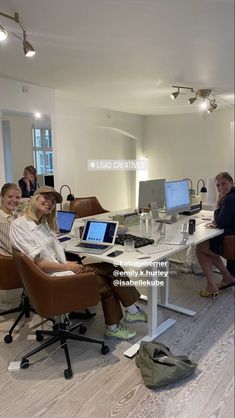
(83, 134)
(189, 145)
(21, 143)
(12, 98)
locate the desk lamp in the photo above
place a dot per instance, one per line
(191, 190)
(70, 195)
(203, 189)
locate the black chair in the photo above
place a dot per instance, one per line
(57, 295)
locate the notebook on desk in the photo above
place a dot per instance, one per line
(98, 236)
(65, 222)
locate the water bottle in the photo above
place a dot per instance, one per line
(146, 223)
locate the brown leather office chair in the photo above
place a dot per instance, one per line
(229, 252)
(10, 279)
(57, 295)
(86, 206)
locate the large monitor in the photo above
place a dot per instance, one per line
(151, 193)
(177, 197)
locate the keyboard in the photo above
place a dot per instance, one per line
(138, 241)
(93, 246)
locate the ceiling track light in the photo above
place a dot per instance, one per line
(27, 47)
(201, 94)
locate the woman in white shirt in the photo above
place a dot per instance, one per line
(35, 235)
(10, 199)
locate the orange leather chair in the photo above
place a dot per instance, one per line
(57, 295)
(86, 206)
(10, 279)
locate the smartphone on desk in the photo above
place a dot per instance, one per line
(115, 253)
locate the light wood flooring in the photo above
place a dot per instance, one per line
(111, 385)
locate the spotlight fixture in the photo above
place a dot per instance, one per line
(27, 47)
(212, 107)
(205, 95)
(175, 94)
(192, 99)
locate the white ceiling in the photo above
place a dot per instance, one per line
(124, 54)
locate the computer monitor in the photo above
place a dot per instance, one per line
(49, 180)
(151, 194)
(177, 197)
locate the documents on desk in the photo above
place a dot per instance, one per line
(155, 248)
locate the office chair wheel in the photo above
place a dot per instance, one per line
(24, 364)
(104, 349)
(39, 337)
(8, 339)
(82, 329)
(68, 374)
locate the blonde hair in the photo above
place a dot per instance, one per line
(8, 186)
(30, 213)
(224, 175)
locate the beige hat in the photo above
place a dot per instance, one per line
(51, 190)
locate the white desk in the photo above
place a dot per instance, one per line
(154, 329)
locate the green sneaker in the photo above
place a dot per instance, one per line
(120, 333)
(139, 316)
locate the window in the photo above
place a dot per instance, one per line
(42, 150)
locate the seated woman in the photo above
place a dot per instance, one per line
(28, 183)
(34, 234)
(10, 199)
(209, 252)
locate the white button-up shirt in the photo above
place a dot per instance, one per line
(36, 240)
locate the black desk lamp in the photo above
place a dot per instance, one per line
(203, 188)
(70, 195)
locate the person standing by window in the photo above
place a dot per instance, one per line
(28, 183)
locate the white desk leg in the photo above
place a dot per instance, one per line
(153, 329)
(164, 298)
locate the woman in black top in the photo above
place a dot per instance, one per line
(28, 183)
(209, 252)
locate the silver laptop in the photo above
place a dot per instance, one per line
(98, 236)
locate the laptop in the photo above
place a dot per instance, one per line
(98, 236)
(65, 222)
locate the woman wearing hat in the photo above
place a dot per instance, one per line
(34, 234)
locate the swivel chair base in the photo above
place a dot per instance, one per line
(24, 308)
(62, 334)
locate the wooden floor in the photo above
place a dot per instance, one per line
(111, 385)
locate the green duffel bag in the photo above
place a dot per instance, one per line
(159, 367)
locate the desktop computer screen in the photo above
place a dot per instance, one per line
(150, 192)
(49, 180)
(177, 197)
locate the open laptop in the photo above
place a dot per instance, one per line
(98, 236)
(65, 222)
